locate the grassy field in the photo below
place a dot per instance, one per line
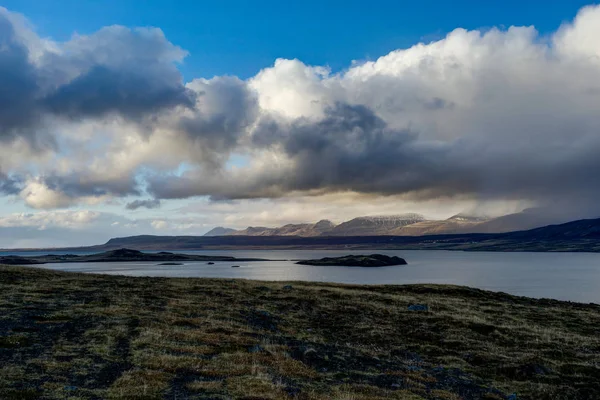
(75, 336)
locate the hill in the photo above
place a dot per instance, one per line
(320, 228)
(378, 225)
(220, 231)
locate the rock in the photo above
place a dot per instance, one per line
(287, 287)
(310, 355)
(255, 349)
(418, 307)
(373, 260)
(235, 266)
(211, 263)
(292, 391)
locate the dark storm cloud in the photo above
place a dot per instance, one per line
(351, 148)
(150, 204)
(80, 185)
(88, 77)
(102, 90)
(18, 84)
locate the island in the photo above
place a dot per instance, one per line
(373, 260)
(120, 255)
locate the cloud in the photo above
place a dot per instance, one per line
(159, 225)
(150, 204)
(489, 115)
(115, 71)
(43, 220)
(9, 185)
(496, 115)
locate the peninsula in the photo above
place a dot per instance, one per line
(120, 255)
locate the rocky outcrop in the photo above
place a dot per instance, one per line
(373, 260)
(119, 255)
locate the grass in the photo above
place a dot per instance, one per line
(76, 336)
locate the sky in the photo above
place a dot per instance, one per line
(144, 117)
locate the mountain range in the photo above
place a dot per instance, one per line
(580, 235)
(401, 225)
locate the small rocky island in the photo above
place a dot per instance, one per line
(373, 260)
(120, 255)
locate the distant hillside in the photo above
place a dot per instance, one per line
(379, 225)
(584, 229)
(307, 230)
(402, 225)
(526, 219)
(220, 231)
(456, 224)
(582, 235)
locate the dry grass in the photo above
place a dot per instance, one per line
(93, 337)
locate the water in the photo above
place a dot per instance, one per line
(564, 276)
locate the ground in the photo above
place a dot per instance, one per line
(76, 336)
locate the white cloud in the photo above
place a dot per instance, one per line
(159, 225)
(43, 220)
(38, 195)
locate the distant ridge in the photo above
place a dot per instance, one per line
(410, 224)
(581, 235)
(220, 231)
(307, 230)
(377, 225)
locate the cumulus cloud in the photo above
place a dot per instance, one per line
(43, 220)
(129, 73)
(495, 115)
(150, 204)
(159, 224)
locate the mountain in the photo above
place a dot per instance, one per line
(584, 229)
(220, 231)
(372, 226)
(404, 225)
(527, 219)
(306, 230)
(459, 223)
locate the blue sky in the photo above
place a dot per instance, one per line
(240, 37)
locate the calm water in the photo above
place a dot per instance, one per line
(565, 276)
